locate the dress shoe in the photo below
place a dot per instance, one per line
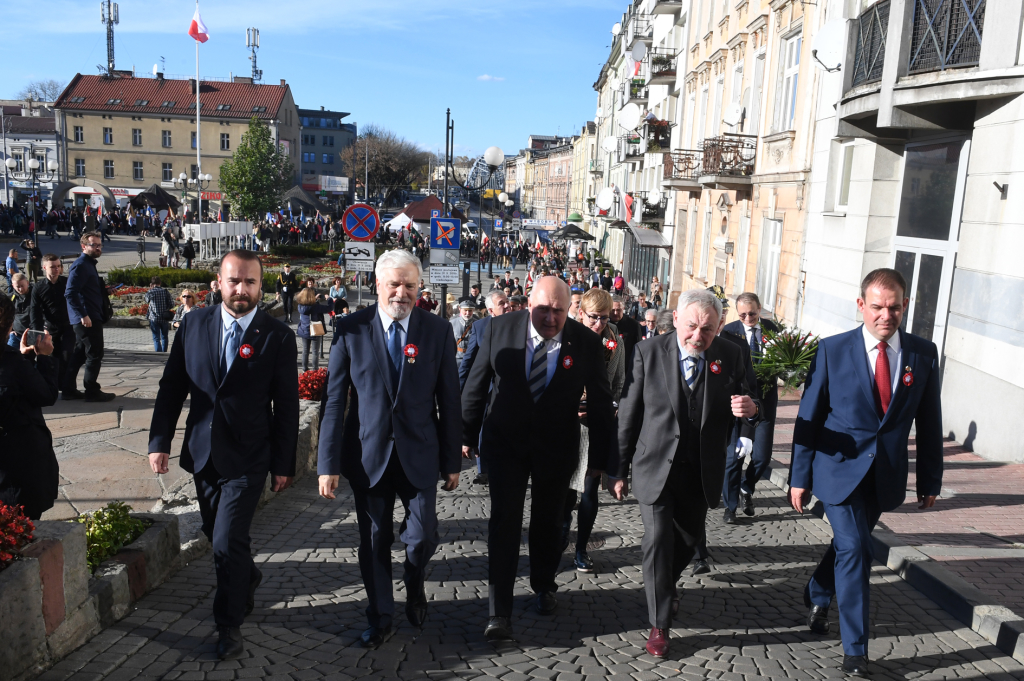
(817, 620)
(700, 567)
(657, 642)
(72, 395)
(374, 637)
(583, 562)
(729, 516)
(747, 503)
(416, 607)
(481, 479)
(99, 396)
(498, 629)
(229, 643)
(856, 665)
(546, 603)
(253, 585)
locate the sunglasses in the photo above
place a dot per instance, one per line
(186, 297)
(752, 315)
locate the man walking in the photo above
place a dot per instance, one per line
(462, 326)
(287, 286)
(85, 296)
(49, 311)
(237, 363)
(540, 362)
(393, 365)
(864, 391)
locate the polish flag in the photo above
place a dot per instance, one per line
(198, 29)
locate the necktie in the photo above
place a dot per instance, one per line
(883, 379)
(691, 369)
(395, 350)
(755, 347)
(538, 371)
(231, 344)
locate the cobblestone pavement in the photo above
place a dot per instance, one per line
(741, 622)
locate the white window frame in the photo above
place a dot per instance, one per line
(791, 48)
(770, 260)
(138, 171)
(844, 172)
(703, 115)
(705, 245)
(79, 167)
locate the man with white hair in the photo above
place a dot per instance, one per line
(677, 447)
(394, 364)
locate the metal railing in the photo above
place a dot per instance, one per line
(870, 55)
(632, 146)
(596, 166)
(638, 28)
(661, 65)
(947, 34)
(659, 136)
(730, 154)
(633, 90)
(687, 164)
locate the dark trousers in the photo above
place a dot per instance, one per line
(88, 351)
(587, 514)
(509, 475)
(63, 349)
(375, 507)
(736, 478)
(673, 527)
(845, 569)
(159, 329)
(227, 506)
(286, 300)
(318, 343)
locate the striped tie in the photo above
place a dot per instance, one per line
(692, 365)
(538, 371)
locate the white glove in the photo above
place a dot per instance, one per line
(744, 446)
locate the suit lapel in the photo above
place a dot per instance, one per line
(907, 358)
(413, 338)
(564, 351)
(670, 367)
(712, 381)
(251, 336)
(859, 357)
(213, 326)
(379, 344)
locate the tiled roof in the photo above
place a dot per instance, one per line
(128, 94)
(30, 125)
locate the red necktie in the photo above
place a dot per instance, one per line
(883, 379)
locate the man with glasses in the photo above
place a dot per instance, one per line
(85, 296)
(650, 326)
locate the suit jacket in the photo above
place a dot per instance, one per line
(630, 332)
(472, 347)
(420, 421)
(746, 429)
(650, 411)
(247, 421)
(513, 425)
(839, 432)
(769, 401)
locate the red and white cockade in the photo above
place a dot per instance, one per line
(410, 351)
(245, 352)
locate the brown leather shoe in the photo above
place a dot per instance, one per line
(657, 642)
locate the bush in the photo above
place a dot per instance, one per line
(107, 530)
(15, 532)
(313, 249)
(171, 277)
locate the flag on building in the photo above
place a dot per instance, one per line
(197, 29)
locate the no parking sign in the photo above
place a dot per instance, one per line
(360, 222)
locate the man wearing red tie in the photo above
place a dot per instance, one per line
(864, 390)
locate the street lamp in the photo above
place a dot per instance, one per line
(185, 184)
(33, 175)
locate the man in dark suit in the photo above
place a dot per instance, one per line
(676, 414)
(238, 365)
(394, 366)
(750, 329)
(650, 325)
(864, 390)
(629, 330)
(524, 391)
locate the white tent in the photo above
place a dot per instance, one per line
(398, 223)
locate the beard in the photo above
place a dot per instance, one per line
(692, 351)
(398, 308)
(240, 304)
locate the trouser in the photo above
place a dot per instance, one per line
(227, 506)
(736, 478)
(88, 351)
(509, 475)
(159, 329)
(286, 300)
(587, 514)
(317, 342)
(32, 270)
(63, 350)
(673, 527)
(845, 569)
(375, 508)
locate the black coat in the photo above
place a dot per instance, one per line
(769, 401)
(22, 311)
(29, 474)
(49, 308)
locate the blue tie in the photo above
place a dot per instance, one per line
(230, 348)
(691, 370)
(755, 348)
(395, 350)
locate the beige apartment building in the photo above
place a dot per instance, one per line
(584, 157)
(557, 190)
(129, 132)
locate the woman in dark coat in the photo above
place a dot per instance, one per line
(29, 474)
(310, 310)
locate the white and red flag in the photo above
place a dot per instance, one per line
(197, 29)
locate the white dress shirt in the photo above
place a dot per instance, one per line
(227, 320)
(751, 330)
(386, 321)
(553, 346)
(894, 353)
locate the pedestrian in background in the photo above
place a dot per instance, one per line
(22, 307)
(50, 312)
(85, 297)
(159, 313)
(311, 327)
(33, 258)
(11, 267)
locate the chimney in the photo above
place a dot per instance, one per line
(282, 82)
(321, 108)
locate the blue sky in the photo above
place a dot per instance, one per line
(507, 68)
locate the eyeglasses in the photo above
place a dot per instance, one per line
(186, 297)
(752, 315)
(596, 318)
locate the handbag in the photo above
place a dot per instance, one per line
(317, 329)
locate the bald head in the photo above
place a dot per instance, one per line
(549, 306)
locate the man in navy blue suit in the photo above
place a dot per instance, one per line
(864, 390)
(238, 365)
(394, 366)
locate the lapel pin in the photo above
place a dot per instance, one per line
(716, 366)
(567, 362)
(410, 352)
(908, 378)
(245, 352)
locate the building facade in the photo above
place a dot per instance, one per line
(559, 181)
(326, 148)
(28, 132)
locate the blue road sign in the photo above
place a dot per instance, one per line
(498, 224)
(360, 222)
(445, 233)
(435, 213)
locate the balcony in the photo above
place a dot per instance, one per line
(946, 34)
(683, 169)
(658, 134)
(651, 213)
(632, 147)
(596, 167)
(667, 7)
(728, 161)
(869, 58)
(661, 67)
(634, 91)
(639, 29)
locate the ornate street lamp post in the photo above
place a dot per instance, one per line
(34, 174)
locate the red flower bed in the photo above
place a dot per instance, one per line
(15, 532)
(326, 267)
(139, 310)
(128, 290)
(312, 384)
(201, 295)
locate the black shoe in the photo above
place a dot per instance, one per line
(856, 665)
(99, 396)
(253, 585)
(481, 479)
(72, 395)
(229, 643)
(546, 603)
(817, 620)
(729, 516)
(583, 562)
(416, 607)
(374, 637)
(747, 503)
(498, 629)
(700, 567)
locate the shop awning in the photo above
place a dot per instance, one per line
(649, 237)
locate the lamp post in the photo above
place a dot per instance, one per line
(32, 176)
(185, 184)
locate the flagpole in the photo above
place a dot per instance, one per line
(199, 139)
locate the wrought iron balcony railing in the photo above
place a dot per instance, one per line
(639, 29)
(687, 164)
(632, 147)
(634, 90)
(730, 155)
(596, 166)
(869, 58)
(947, 34)
(658, 134)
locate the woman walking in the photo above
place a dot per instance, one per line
(311, 312)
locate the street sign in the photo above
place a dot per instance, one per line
(516, 214)
(435, 213)
(444, 274)
(445, 233)
(563, 223)
(517, 224)
(498, 224)
(360, 222)
(444, 256)
(359, 265)
(357, 250)
(532, 222)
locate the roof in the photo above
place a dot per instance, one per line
(128, 94)
(325, 113)
(31, 125)
(300, 196)
(10, 110)
(420, 210)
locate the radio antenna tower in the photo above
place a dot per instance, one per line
(252, 41)
(109, 16)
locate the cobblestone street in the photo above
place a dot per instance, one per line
(742, 621)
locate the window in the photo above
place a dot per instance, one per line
(167, 172)
(754, 110)
(309, 157)
(790, 81)
(223, 107)
(225, 141)
(193, 139)
(737, 88)
(193, 105)
(702, 115)
(136, 137)
(691, 238)
(328, 140)
(108, 135)
(113, 101)
(845, 170)
(259, 109)
(165, 138)
(705, 246)
(20, 161)
(108, 169)
(168, 105)
(309, 140)
(136, 170)
(79, 167)
(41, 160)
(77, 100)
(768, 270)
(328, 159)
(716, 122)
(79, 134)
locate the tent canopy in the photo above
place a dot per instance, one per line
(572, 231)
(298, 198)
(157, 197)
(398, 223)
(420, 210)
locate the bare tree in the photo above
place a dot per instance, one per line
(42, 90)
(391, 162)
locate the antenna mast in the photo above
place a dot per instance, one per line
(252, 41)
(109, 16)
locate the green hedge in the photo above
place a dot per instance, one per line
(171, 277)
(314, 249)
